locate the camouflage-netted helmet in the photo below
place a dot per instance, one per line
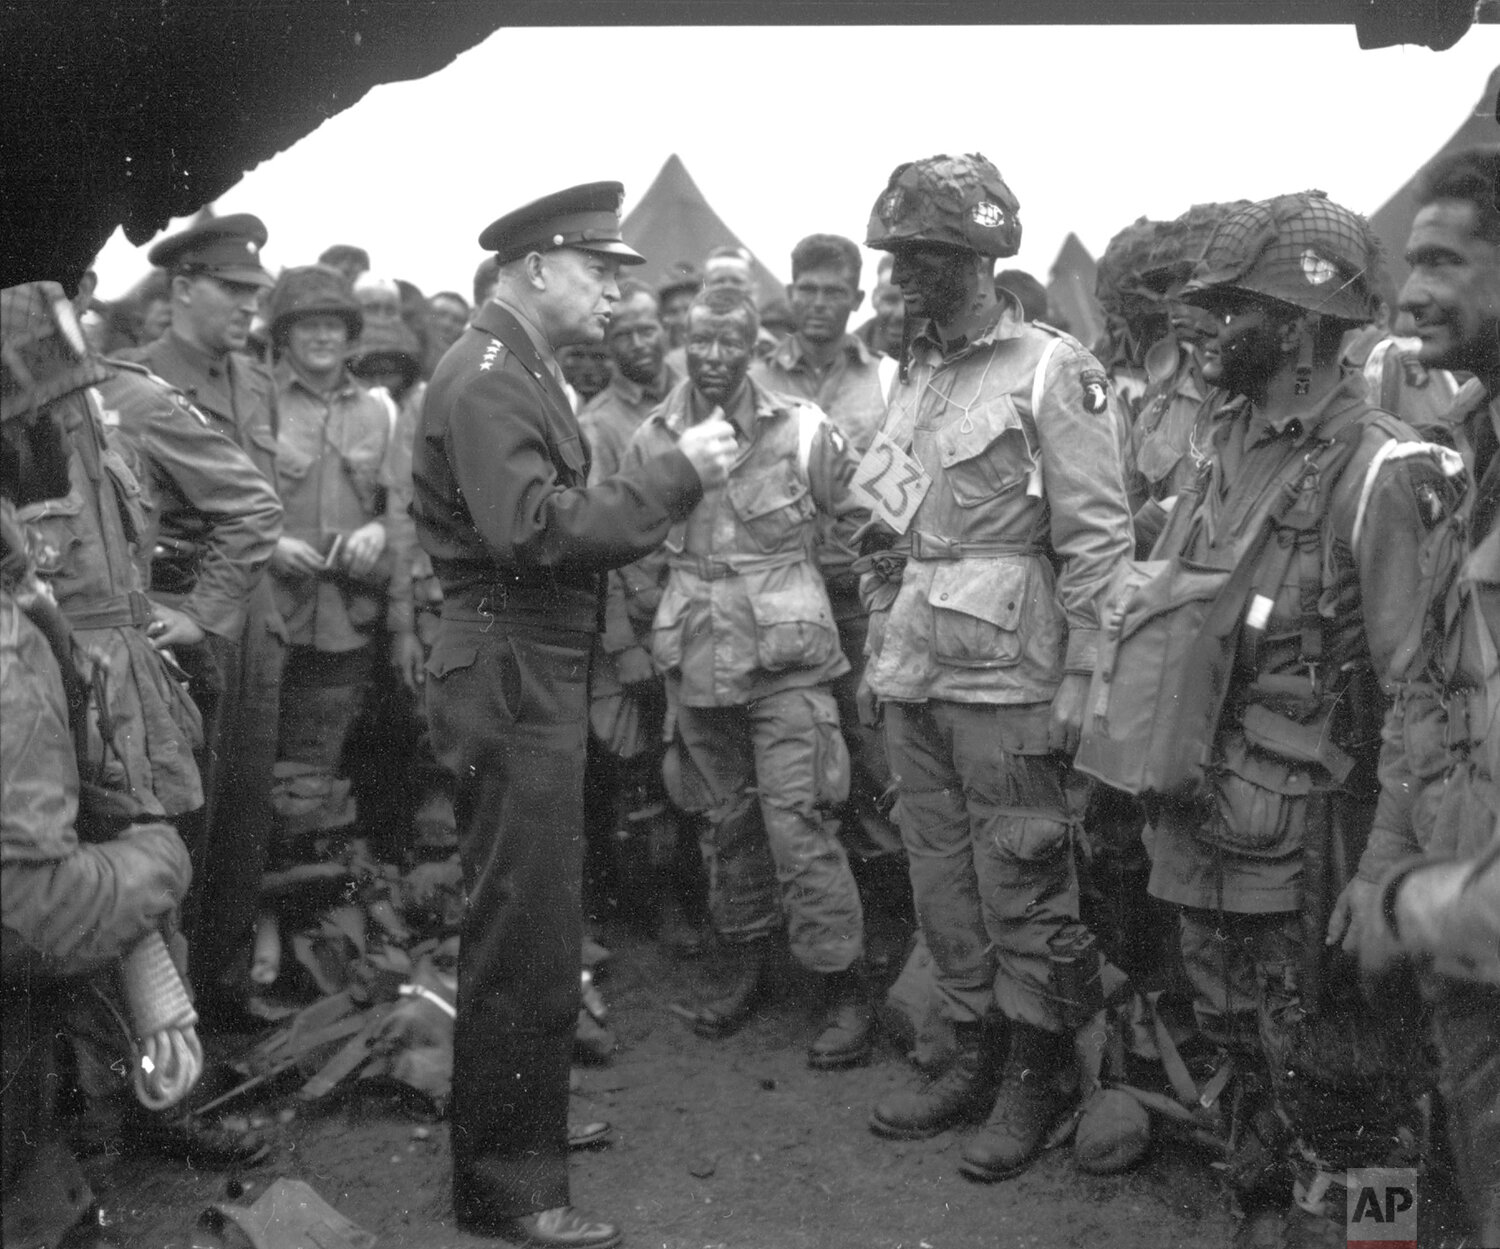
(1179, 245)
(1119, 274)
(387, 347)
(312, 291)
(1302, 249)
(960, 201)
(43, 349)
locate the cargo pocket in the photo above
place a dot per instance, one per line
(54, 544)
(793, 629)
(976, 613)
(984, 452)
(667, 629)
(292, 463)
(1424, 731)
(1031, 838)
(772, 507)
(1262, 802)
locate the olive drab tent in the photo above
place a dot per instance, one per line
(672, 225)
(1070, 292)
(1392, 221)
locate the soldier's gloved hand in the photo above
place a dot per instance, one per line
(867, 705)
(710, 448)
(1067, 713)
(170, 627)
(1347, 919)
(363, 548)
(633, 666)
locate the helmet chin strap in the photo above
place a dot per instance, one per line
(1303, 382)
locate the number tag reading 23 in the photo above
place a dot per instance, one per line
(892, 481)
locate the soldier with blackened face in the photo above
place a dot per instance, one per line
(745, 633)
(983, 591)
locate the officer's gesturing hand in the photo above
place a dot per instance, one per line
(710, 448)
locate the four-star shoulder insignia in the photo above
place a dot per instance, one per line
(490, 353)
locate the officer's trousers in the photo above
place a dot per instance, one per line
(776, 767)
(1466, 1024)
(234, 831)
(509, 713)
(990, 849)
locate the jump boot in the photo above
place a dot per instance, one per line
(963, 1093)
(1028, 1104)
(847, 1029)
(723, 1015)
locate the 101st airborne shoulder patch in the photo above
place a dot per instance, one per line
(1095, 391)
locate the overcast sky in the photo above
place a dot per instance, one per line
(789, 131)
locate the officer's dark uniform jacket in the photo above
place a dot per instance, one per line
(194, 480)
(498, 473)
(520, 544)
(1303, 712)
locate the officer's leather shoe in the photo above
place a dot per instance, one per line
(562, 1227)
(723, 1015)
(1028, 1104)
(963, 1093)
(847, 1031)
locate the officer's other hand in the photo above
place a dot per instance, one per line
(1347, 919)
(710, 448)
(170, 627)
(406, 659)
(294, 557)
(867, 705)
(633, 667)
(1067, 713)
(363, 549)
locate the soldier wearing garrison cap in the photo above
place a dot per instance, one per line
(521, 542)
(984, 621)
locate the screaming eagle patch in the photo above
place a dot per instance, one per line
(1095, 391)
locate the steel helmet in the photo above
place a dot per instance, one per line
(958, 201)
(1302, 250)
(44, 352)
(1179, 245)
(311, 291)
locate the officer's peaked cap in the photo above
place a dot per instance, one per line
(586, 217)
(224, 247)
(959, 201)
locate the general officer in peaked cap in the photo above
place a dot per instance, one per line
(521, 542)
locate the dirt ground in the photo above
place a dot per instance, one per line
(733, 1144)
